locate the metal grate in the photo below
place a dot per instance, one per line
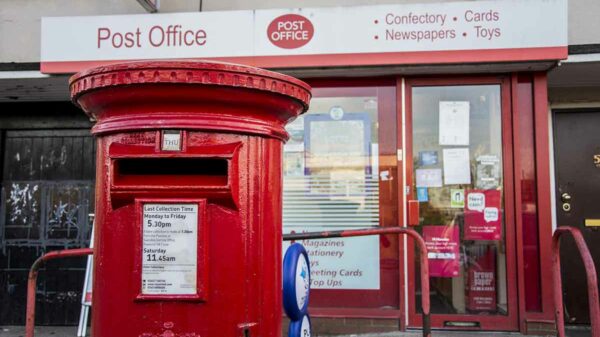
(47, 192)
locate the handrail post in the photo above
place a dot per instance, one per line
(32, 281)
(424, 264)
(592, 280)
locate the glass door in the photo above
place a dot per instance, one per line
(458, 169)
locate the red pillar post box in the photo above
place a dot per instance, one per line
(188, 196)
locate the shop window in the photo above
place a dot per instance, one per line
(338, 175)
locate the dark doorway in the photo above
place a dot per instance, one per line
(47, 193)
(577, 163)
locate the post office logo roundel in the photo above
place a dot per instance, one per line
(290, 31)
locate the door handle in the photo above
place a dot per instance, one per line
(566, 199)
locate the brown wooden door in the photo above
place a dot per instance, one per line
(577, 162)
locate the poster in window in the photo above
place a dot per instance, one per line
(443, 250)
(293, 164)
(428, 158)
(429, 177)
(483, 218)
(296, 131)
(457, 169)
(457, 198)
(422, 194)
(343, 143)
(338, 157)
(481, 279)
(454, 123)
(488, 172)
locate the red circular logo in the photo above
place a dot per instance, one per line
(290, 31)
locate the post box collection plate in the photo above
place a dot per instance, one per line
(169, 246)
(171, 250)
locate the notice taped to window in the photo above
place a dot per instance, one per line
(169, 250)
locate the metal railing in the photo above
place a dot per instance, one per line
(425, 304)
(592, 280)
(425, 301)
(32, 281)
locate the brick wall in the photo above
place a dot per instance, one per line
(335, 326)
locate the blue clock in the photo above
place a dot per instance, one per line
(300, 328)
(296, 282)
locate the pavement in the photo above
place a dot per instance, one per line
(71, 331)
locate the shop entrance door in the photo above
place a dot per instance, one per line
(577, 162)
(458, 167)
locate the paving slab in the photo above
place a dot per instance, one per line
(41, 331)
(71, 331)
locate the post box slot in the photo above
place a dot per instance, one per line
(171, 172)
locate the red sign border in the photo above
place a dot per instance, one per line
(354, 59)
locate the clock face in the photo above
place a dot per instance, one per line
(302, 282)
(300, 328)
(305, 329)
(296, 282)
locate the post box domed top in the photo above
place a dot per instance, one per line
(202, 95)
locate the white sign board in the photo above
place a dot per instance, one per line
(341, 263)
(491, 31)
(169, 249)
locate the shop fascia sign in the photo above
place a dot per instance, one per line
(441, 33)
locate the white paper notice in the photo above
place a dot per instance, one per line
(169, 252)
(429, 177)
(454, 123)
(456, 166)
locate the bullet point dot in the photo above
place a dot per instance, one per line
(376, 21)
(376, 37)
(454, 18)
(464, 34)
